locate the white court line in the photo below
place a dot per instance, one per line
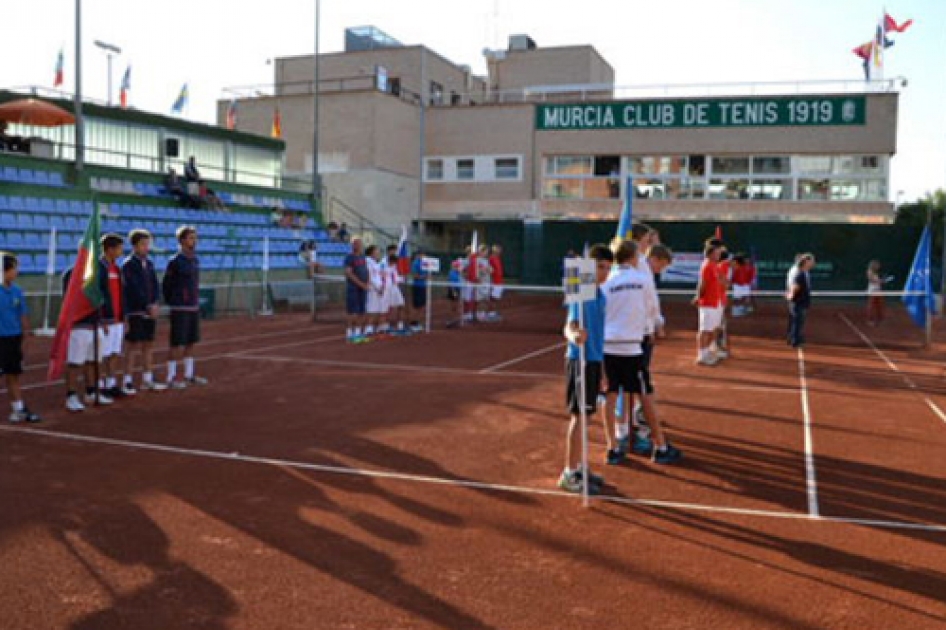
(893, 366)
(525, 357)
(462, 483)
(811, 483)
(213, 357)
(211, 342)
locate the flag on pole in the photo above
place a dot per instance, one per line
(181, 102)
(83, 294)
(890, 24)
(626, 222)
(921, 304)
(58, 79)
(403, 256)
(232, 114)
(718, 235)
(276, 131)
(126, 86)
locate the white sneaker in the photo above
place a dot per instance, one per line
(178, 384)
(153, 386)
(197, 380)
(708, 359)
(129, 390)
(104, 399)
(74, 404)
(722, 354)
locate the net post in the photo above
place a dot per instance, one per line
(429, 307)
(582, 403)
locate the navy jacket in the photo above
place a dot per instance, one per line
(181, 283)
(105, 312)
(139, 285)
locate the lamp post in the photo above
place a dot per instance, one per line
(316, 182)
(110, 51)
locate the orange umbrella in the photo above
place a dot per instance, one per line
(31, 111)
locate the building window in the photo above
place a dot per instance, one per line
(436, 93)
(466, 169)
(506, 168)
(771, 165)
(730, 165)
(435, 170)
(394, 86)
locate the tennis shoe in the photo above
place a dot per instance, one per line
(642, 446)
(115, 393)
(572, 482)
(614, 457)
(178, 384)
(709, 359)
(670, 455)
(73, 404)
(197, 380)
(24, 415)
(129, 390)
(153, 386)
(624, 444)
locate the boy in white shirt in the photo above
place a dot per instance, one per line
(394, 299)
(631, 306)
(375, 305)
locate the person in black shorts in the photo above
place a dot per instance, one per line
(356, 291)
(14, 324)
(418, 290)
(181, 288)
(140, 285)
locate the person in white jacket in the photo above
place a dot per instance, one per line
(631, 306)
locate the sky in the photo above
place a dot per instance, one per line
(215, 44)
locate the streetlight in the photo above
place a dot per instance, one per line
(110, 51)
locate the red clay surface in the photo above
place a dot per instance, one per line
(471, 532)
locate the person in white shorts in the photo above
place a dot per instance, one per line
(375, 304)
(710, 308)
(484, 274)
(81, 356)
(393, 297)
(114, 317)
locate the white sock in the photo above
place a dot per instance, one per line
(622, 430)
(147, 377)
(172, 370)
(358, 331)
(400, 325)
(188, 367)
(349, 332)
(128, 380)
(17, 405)
(111, 382)
(369, 330)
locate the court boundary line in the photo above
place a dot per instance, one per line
(463, 483)
(811, 481)
(524, 357)
(895, 368)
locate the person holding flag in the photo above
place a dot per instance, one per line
(591, 337)
(79, 339)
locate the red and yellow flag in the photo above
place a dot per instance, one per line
(83, 295)
(277, 124)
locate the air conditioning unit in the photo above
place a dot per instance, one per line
(521, 42)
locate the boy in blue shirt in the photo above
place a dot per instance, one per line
(418, 291)
(592, 337)
(14, 324)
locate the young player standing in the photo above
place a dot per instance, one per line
(181, 288)
(418, 291)
(14, 328)
(375, 304)
(356, 292)
(484, 274)
(592, 338)
(112, 246)
(707, 299)
(141, 291)
(394, 299)
(496, 292)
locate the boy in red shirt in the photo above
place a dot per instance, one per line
(708, 300)
(496, 293)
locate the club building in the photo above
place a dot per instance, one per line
(406, 135)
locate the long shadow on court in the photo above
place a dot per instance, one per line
(821, 558)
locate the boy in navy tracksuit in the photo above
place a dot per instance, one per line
(141, 291)
(181, 287)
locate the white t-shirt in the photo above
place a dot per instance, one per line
(875, 283)
(630, 304)
(375, 276)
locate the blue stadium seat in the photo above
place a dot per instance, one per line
(9, 174)
(7, 220)
(15, 240)
(41, 178)
(61, 263)
(4, 202)
(17, 203)
(26, 176)
(56, 179)
(41, 222)
(24, 221)
(47, 205)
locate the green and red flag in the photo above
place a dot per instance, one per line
(83, 294)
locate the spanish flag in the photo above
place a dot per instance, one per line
(58, 79)
(83, 294)
(277, 124)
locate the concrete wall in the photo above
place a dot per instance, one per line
(566, 65)
(387, 199)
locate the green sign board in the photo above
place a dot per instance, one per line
(778, 111)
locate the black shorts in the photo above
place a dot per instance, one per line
(648, 347)
(185, 328)
(356, 300)
(11, 355)
(627, 373)
(592, 386)
(140, 329)
(418, 296)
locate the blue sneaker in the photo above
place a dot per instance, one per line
(642, 446)
(624, 444)
(572, 482)
(669, 455)
(614, 457)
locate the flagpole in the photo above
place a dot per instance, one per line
(77, 97)
(46, 331)
(582, 362)
(929, 281)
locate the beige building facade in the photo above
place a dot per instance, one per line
(406, 136)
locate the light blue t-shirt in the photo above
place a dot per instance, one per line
(12, 309)
(594, 323)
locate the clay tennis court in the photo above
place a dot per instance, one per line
(411, 484)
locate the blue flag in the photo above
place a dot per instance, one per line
(627, 213)
(181, 102)
(921, 304)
